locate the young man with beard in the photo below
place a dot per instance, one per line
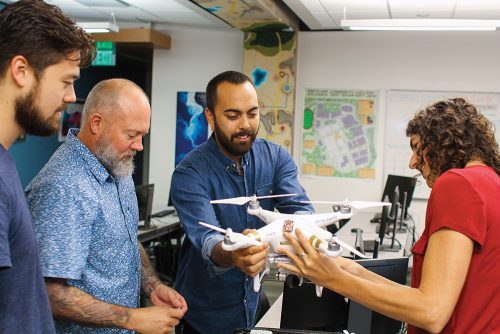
(218, 284)
(40, 58)
(85, 216)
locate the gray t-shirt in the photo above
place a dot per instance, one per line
(24, 307)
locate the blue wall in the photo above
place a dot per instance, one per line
(31, 155)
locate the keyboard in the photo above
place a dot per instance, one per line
(163, 213)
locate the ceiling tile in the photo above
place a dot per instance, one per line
(477, 14)
(103, 3)
(423, 14)
(360, 15)
(325, 20)
(405, 5)
(354, 5)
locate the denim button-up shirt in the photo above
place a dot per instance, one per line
(86, 227)
(222, 299)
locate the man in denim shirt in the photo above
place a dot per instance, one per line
(85, 216)
(218, 284)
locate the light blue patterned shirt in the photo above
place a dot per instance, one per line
(85, 223)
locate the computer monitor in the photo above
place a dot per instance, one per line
(145, 194)
(390, 220)
(303, 310)
(406, 185)
(170, 203)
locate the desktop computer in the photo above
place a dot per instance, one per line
(144, 195)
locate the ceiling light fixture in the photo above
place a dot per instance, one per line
(420, 24)
(98, 27)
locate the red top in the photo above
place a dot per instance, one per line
(468, 201)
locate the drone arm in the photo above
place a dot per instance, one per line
(265, 215)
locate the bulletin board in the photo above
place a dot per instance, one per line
(401, 106)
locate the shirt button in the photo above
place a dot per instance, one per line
(234, 165)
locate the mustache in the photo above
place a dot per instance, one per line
(243, 133)
(63, 107)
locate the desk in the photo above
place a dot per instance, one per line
(159, 227)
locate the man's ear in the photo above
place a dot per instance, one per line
(210, 118)
(20, 70)
(96, 123)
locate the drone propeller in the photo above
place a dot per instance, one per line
(349, 247)
(354, 204)
(216, 228)
(233, 236)
(244, 200)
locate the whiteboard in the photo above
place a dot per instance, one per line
(401, 106)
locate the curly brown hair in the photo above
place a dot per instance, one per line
(452, 132)
(42, 34)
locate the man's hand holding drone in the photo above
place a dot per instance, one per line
(251, 260)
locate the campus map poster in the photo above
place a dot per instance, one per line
(339, 135)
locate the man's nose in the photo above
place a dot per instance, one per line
(137, 145)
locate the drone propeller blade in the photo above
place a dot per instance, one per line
(367, 204)
(354, 204)
(234, 200)
(323, 202)
(349, 247)
(244, 200)
(213, 227)
(273, 196)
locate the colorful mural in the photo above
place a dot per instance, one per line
(191, 124)
(269, 60)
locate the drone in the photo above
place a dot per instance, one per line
(312, 225)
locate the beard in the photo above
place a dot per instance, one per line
(228, 143)
(29, 117)
(115, 164)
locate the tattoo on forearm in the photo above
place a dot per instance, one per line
(70, 303)
(149, 279)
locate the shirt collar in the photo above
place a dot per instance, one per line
(94, 165)
(229, 163)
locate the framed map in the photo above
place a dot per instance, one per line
(339, 134)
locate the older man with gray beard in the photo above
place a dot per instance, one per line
(85, 217)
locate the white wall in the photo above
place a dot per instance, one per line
(459, 61)
(196, 55)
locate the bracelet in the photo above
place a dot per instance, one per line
(151, 287)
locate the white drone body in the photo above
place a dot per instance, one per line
(312, 225)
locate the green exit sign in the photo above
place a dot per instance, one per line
(106, 54)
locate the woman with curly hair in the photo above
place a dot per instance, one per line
(455, 279)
